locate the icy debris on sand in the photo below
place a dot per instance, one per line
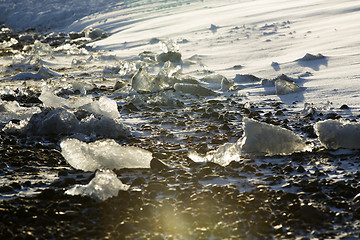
(104, 185)
(310, 57)
(103, 154)
(285, 87)
(223, 155)
(41, 49)
(12, 110)
(142, 81)
(193, 89)
(60, 121)
(43, 73)
(24, 61)
(49, 99)
(259, 138)
(334, 134)
(104, 106)
(170, 52)
(225, 83)
(269, 139)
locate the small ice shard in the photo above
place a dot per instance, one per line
(104, 185)
(334, 134)
(104, 106)
(285, 87)
(142, 81)
(223, 155)
(103, 154)
(193, 89)
(269, 139)
(49, 99)
(42, 49)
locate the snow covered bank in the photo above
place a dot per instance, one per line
(334, 134)
(103, 154)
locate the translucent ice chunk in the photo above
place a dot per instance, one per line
(334, 134)
(104, 185)
(269, 139)
(103, 154)
(142, 81)
(222, 156)
(285, 87)
(104, 106)
(49, 99)
(42, 49)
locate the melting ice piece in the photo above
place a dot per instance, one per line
(193, 89)
(49, 99)
(285, 87)
(103, 154)
(222, 156)
(334, 134)
(42, 49)
(269, 139)
(142, 81)
(104, 185)
(105, 106)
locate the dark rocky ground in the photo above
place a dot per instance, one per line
(302, 196)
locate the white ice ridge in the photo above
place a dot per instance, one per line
(334, 134)
(104, 106)
(103, 154)
(258, 138)
(104, 185)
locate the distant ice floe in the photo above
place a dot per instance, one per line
(103, 154)
(334, 134)
(259, 138)
(104, 185)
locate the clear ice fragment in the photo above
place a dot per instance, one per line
(104, 185)
(103, 154)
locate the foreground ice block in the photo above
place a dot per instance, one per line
(103, 154)
(334, 134)
(104, 185)
(269, 139)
